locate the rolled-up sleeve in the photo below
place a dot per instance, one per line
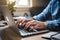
(54, 24)
(44, 14)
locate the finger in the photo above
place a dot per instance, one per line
(28, 25)
(31, 28)
(23, 21)
(18, 21)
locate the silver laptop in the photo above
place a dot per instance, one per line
(11, 23)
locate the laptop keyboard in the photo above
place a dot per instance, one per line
(24, 32)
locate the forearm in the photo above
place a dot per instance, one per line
(51, 25)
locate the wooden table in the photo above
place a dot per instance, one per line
(34, 37)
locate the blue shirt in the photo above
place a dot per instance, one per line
(52, 10)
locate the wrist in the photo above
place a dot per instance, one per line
(45, 24)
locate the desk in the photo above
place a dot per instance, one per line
(34, 37)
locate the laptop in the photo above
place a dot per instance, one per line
(10, 22)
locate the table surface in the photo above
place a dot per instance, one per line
(34, 37)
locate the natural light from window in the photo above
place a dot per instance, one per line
(22, 3)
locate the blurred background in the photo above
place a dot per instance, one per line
(23, 7)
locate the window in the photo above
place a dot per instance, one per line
(22, 3)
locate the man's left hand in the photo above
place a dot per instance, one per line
(35, 25)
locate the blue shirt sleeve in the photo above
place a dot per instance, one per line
(54, 24)
(44, 15)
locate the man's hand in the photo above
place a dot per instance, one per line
(22, 21)
(31, 24)
(35, 25)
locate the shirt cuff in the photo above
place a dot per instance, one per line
(52, 25)
(35, 18)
